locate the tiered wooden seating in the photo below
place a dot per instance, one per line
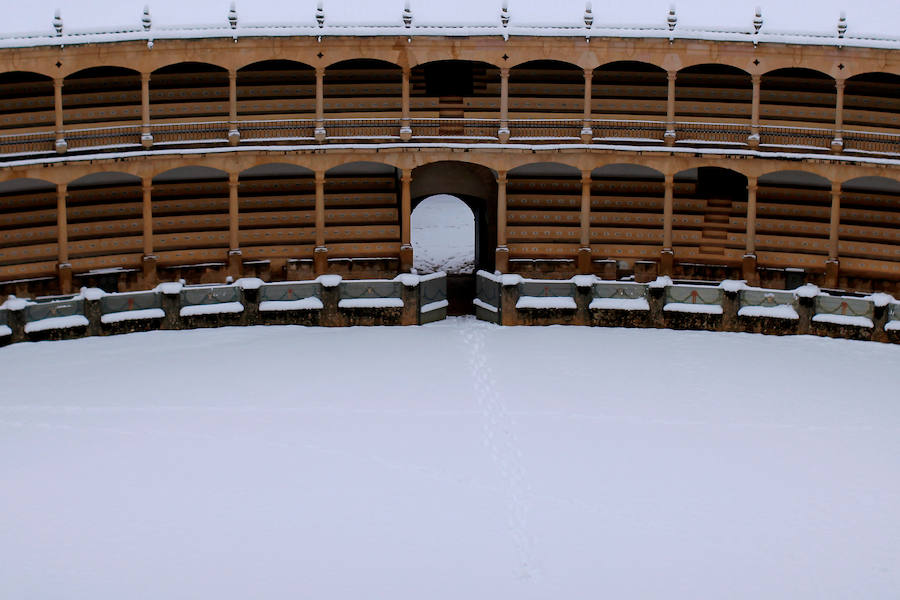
(546, 90)
(105, 227)
(188, 91)
(108, 95)
(28, 234)
(626, 218)
(704, 229)
(190, 222)
(276, 89)
(361, 217)
(713, 93)
(629, 90)
(277, 218)
(471, 94)
(872, 101)
(797, 97)
(26, 101)
(792, 226)
(869, 233)
(363, 88)
(543, 217)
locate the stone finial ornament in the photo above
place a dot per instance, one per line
(757, 20)
(588, 15)
(672, 19)
(407, 15)
(504, 14)
(57, 22)
(232, 16)
(320, 14)
(842, 25)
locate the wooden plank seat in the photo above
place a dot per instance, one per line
(543, 250)
(856, 249)
(533, 217)
(28, 270)
(188, 109)
(279, 235)
(191, 256)
(27, 235)
(16, 202)
(32, 119)
(102, 211)
(602, 204)
(288, 108)
(106, 245)
(275, 187)
(788, 258)
(109, 116)
(189, 205)
(625, 250)
(866, 215)
(107, 261)
(360, 200)
(300, 218)
(190, 240)
(624, 219)
(626, 235)
(31, 253)
(250, 252)
(800, 228)
(26, 100)
(857, 267)
(544, 234)
(192, 222)
(792, 243)
(362, 216)
(82, 230)
(555, 201)
(363, 233)
(385, 249)
(887, 235)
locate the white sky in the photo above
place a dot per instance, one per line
(873, 17)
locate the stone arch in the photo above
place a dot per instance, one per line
(712, 90)
(273, 89)
(106, 94)
(629, 90)
(29, 95)
(189, 90)
(454, 89)
(362, 86)
(546, 89)
(792, 95)
(28, 240)
(872, 100)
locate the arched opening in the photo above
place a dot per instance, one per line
(187, 92)
(443, 235)
(547, 90)
(796, 108)
(363, 99)
(459, 92)
(712, 92)
(871, 108)
(28, 234)
(102, 94)
(869, 232)
(26, 101)
(271, 92)
(627, 91)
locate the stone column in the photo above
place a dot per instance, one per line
(320, 254)
(149, 260)
(61, 145)
(748, 264)
(406, 249)
(320, 104)
(670, 109)
(753, 140)
(405, 129)
(64, 269)
(667, 255)
(587, 134)
(235, 264)
(832, 265)
(837, 144)
(502, 254)
(584, 251)
(234, 136)
(503, 132)
(146, 133)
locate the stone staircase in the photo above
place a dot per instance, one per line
(714, 235)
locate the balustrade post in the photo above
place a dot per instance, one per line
(832, 265)
(320, 104)
(503, 132)
(405, 129)
(146, 133)
(234, 135)
(587, 134)
(320, 254)
(837, 143)
(502, 253)
(748, 263)
(235, 264)
(667, 255)
(63, 268)
(670, 109)
(149, 260)
(753, 140)
(406, 249)
(584, 251)
(61, 144)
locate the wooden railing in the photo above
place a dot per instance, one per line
(388, 129)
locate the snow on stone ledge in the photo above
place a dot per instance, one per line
(249, 283)
(880, 299)
(733, 285)
(5, 331)
(91, 293)
(844, 320)
(13, 303)
(781, 311)
(329, 281)
(546, 302)
(434, 306)
(408, 279)
(619, 304)
(684, 307)
(133, 315)
(807, 291)
(511, 279)
(892, 326)
(56, 323)
(169, 287)
(482, 304)
(371, 303)
(584, 280)
(310, 303)
(660, 282)
(211, 309)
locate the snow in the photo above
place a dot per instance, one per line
(249, 283)
(733, 285)
(443, 235)
(780, 311)
(844, 320)
(546, 302)
(482, 304)
(133, 315)
(511, 279)
(426, 308)
(663, 281)
(807, 291)
(311, 303)
(169, 287)
(329, 281)
(211, 309)
(619, 304)
(56, 323)
(447, 462)
(370, 303)
(892, 325)
(5, 331)
(13, 303)
(584, 281)
(408, 279)
(91, 293)
(881, 299)
(686, 307)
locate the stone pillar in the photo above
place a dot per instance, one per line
(503, 133)
(406, 249)
(234, 136)
(837, 144)
(235, 264)
(502, 254)
(667, 255)
(670, 109)
(587, 134)
(320, 254)
(320, 104)
(753, 140)
(149, 261)
(748, 264)
(405, 129)
(146, 132)
(64, 269)
(61, 145)
(832, 265)
(584, 251)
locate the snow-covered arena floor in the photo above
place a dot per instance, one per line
(455, 460)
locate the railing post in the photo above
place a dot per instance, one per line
(832, 265)
(584, 251)
(320, 254)
(502, 253)
(61, 144)
(587, 134)
(503, 132)
(149, 260)
(753, 140)
(234, 136)
(405, 129)
(670, 109)
(667, 255)
(64, 269)
(235, 264)
(837, 143)
(320, 104)
(146, 134)
(748, 263)
(406, 249)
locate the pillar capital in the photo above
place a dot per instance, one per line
(755, 79)
(501, 176)
(671, 75)
(406, 175)
(835, 187)
(320, 176)
(233, 179)
(504, 72)
(586, 175)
